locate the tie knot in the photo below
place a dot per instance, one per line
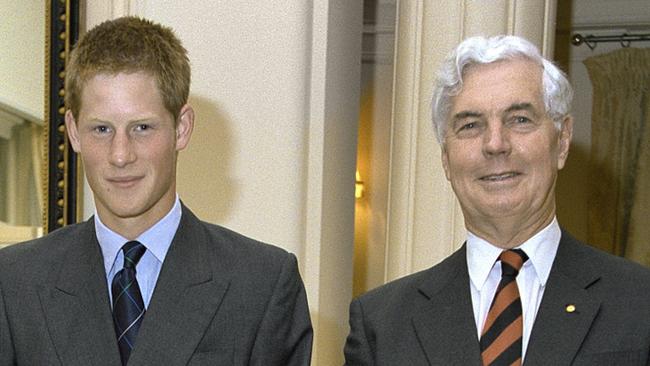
(511, 261)
(133, 251)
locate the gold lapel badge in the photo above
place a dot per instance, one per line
(570, 308)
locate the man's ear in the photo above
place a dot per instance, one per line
(73, 133)
(445, 159)
(184, 127)
(566, 132)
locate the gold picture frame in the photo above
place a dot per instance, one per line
(62, 180)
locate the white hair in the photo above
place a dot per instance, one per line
(481, 50)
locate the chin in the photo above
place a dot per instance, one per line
(504, 207)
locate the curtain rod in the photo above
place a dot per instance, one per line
(624, 39)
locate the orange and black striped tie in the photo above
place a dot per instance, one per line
(503, 329)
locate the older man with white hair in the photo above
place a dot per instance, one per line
(521, 289)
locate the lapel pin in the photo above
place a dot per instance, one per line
(570, 308)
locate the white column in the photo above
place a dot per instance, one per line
(333, 118)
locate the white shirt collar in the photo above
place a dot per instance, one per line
(156, 239)
(540, 248)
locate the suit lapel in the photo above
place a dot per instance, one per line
(186, 298)
(558, 332)
(76, 306)
(446, 327)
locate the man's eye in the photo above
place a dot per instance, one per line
(142, 127)
(101, 129)
(467, 126)
(521, 119)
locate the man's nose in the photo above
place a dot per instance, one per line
(496, 140)
(121, 152)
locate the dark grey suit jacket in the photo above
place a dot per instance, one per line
(427, 318)
(221, 299)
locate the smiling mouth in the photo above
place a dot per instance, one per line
(499, 177)
(124, 181)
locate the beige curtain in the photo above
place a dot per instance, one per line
(619, 199)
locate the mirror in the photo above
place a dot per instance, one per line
(39, 180)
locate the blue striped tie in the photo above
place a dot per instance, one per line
(128, 307)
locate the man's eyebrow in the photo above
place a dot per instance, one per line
(525, 106)
(98, 120)
(142, 120)
(466, 114)
(133, 121)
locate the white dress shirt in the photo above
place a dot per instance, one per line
(485, 274)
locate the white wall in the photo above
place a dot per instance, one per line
(247, 160)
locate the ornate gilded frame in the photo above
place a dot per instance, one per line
(62, 181)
